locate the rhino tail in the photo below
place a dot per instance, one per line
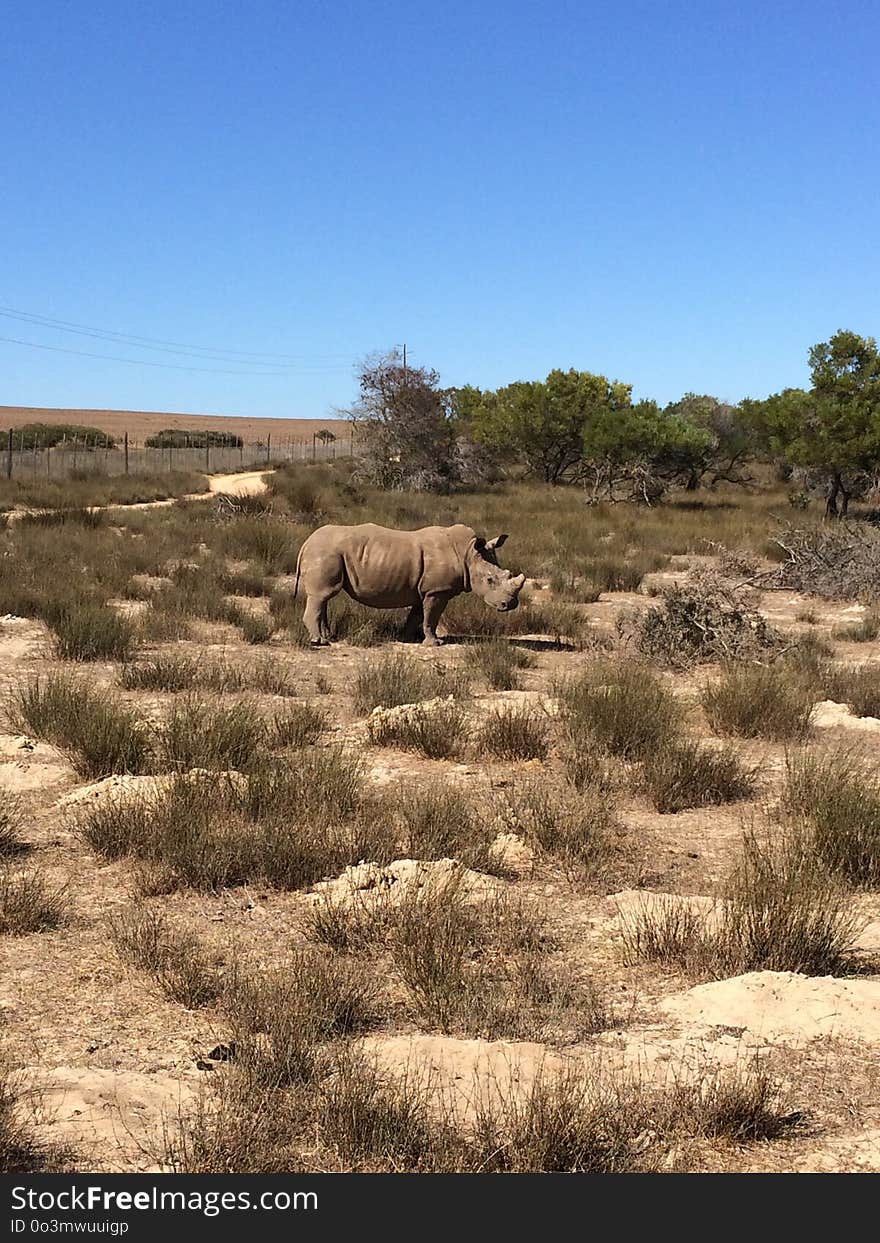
(298, 572)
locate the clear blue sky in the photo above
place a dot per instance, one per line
(682, 195)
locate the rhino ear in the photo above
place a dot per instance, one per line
(497, 541)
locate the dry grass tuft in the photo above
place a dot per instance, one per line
(756, 701)
(184, 970)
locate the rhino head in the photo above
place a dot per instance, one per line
(497, 587)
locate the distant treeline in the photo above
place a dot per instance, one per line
(581, 428)
(173, 438)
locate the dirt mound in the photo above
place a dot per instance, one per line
(630, 905)
(513, 854)
(111, 1115)
(375, 883)
(382, 720)
(124, 786)
(783, 1006)
(27, 765)
(830, 715)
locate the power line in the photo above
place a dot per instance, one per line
(157, 343)
(144, 362)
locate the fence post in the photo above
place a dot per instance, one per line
(207, 454)
(268, 447)
(48, 461)
(9, 455)
(125, 446)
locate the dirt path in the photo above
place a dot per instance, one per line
(245, 483)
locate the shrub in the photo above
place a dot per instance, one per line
(784, 912)
(87, 631)
(438, 822)
(780, 910)
(578, 828)
(182, 673)
(514, 733)
(184, 970)
(375, 1121)
(686, 774)
(437, 729)
(741, 1107)
(288, 825)
(99, 734)
(21, 1151)
(297, 725)
(69, 515)
(28, 904)
(269, 541)
(287, 614)
(48, 435)
(246, 582)
(838, 561)
(498, 662)
(857, 686)
(255, 628)
(841, 804)
(479, 968)
(10, 826)
(390, 681)
(564, 1123)
(863, 631)
(756, 701)
(809, 660)
(236, 1127)
(199, 734)
(279, 1017)
(623, 708)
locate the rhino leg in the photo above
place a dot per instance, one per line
(315, 619)
(412, 628)
(432, 611)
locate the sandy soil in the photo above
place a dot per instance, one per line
(110, 1061)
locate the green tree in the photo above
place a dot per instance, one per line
(542, 423)
(638, 451)
(831, 431)
(723, 447)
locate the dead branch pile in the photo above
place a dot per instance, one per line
(840, 561)
(706, 618)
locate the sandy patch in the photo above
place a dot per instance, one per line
(785, 1007)
(830, 715)
(110, 1116)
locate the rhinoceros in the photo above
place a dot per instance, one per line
(388, 569)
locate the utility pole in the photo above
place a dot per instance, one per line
(404, 360)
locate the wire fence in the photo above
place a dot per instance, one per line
(75, 458)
